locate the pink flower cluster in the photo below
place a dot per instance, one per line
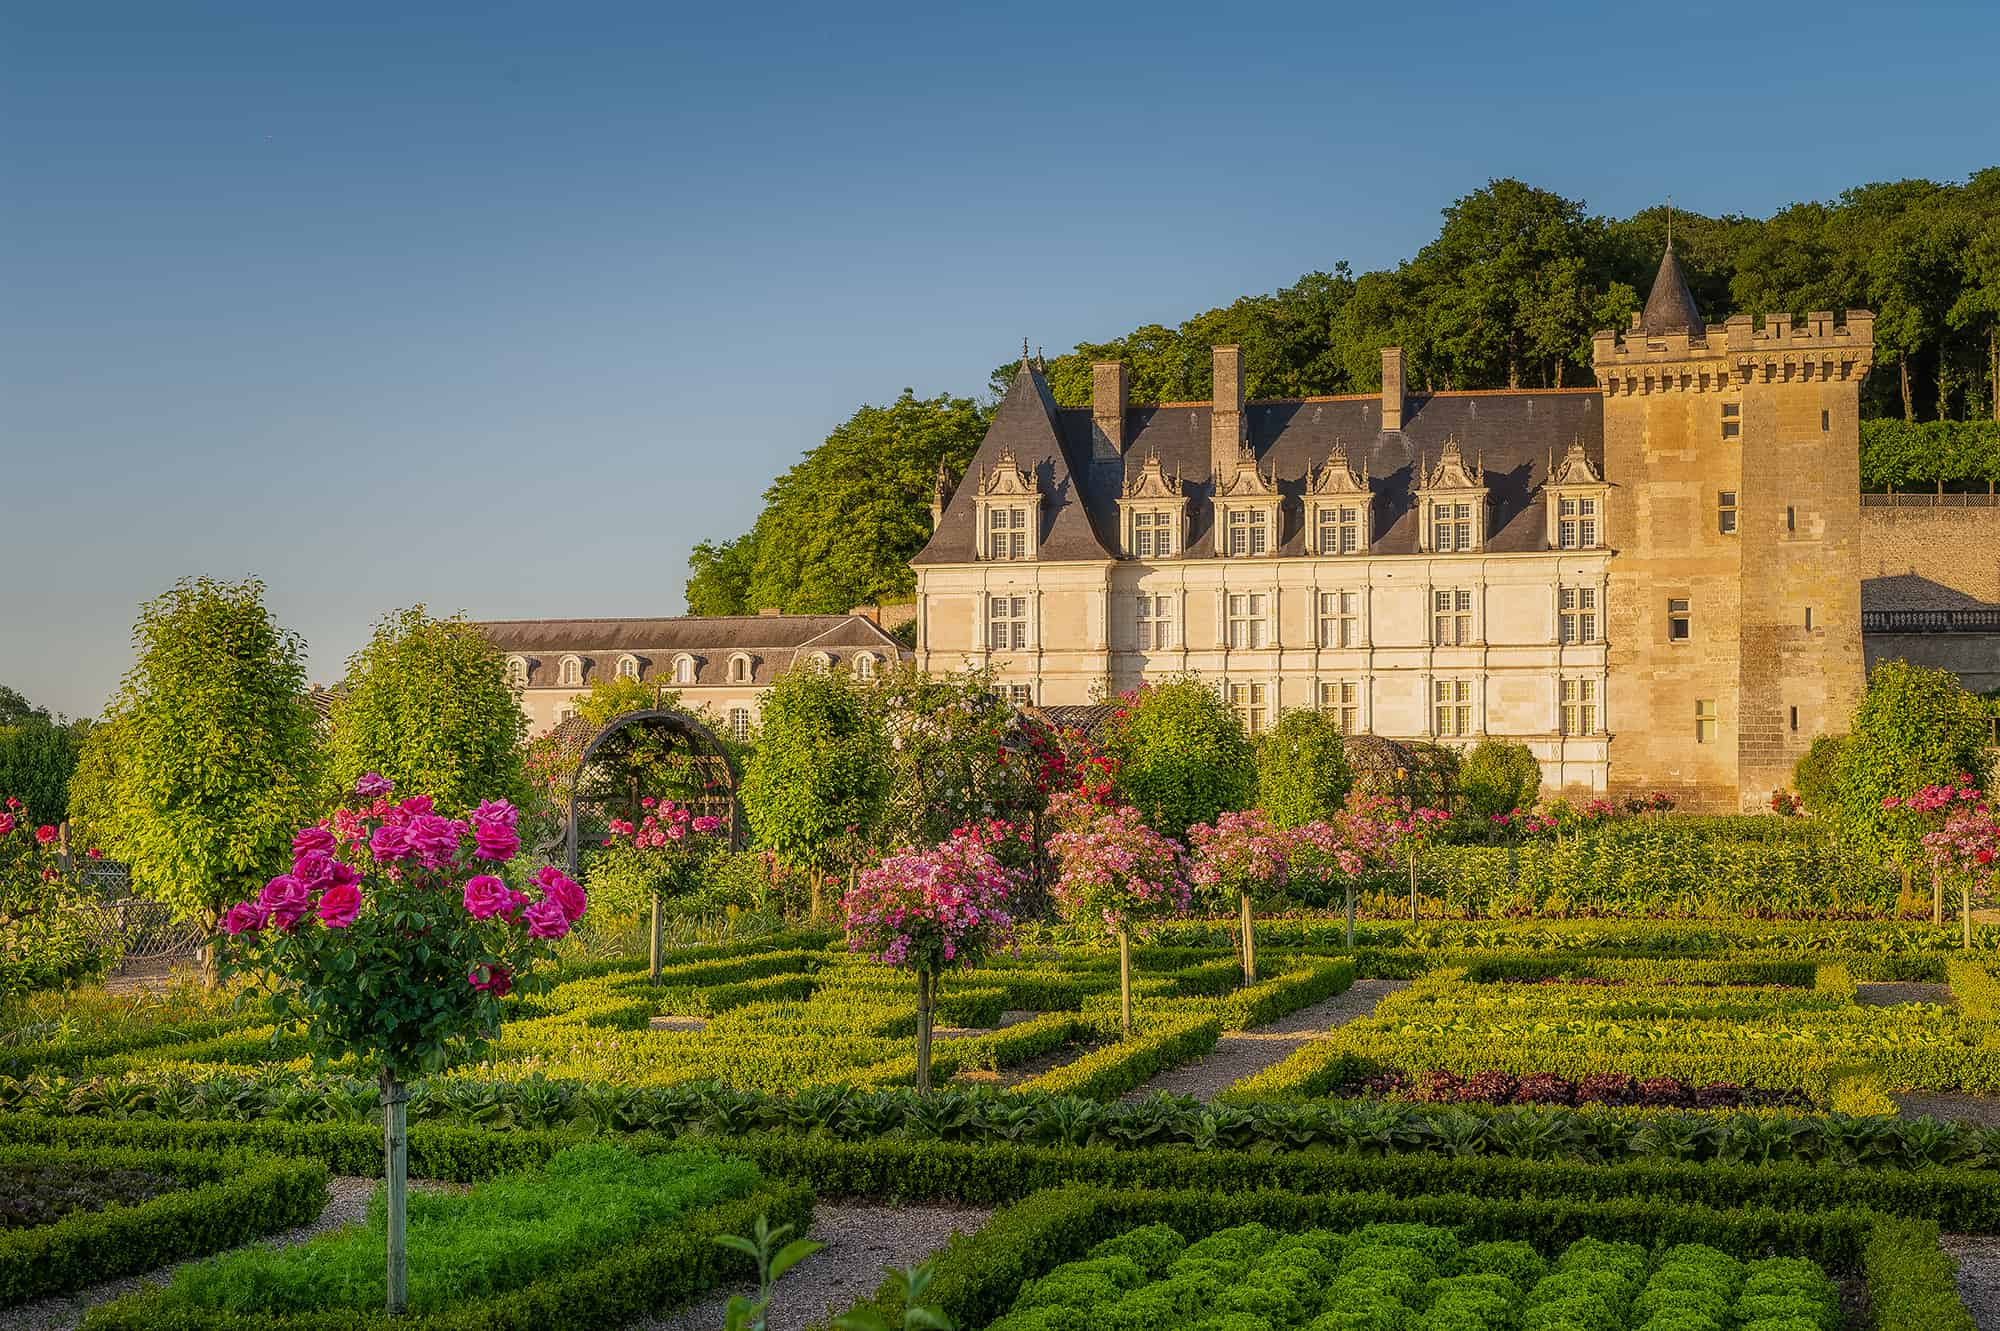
(1241, 853)
(1324, 851)
(667, 823)
(1969, 841)
(928, 909)
(1115, 867)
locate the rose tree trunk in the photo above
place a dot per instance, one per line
(1125, 981)
(926, 1005)
(396, 1178)
(1249, 944)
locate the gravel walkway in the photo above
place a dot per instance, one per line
(1978, 1257)
(1981, 1110)
(347, 1204)
(862, 1239)
(1243, 1053)
(1888, 993)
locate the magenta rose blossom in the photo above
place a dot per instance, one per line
(562, 889)
(45, 834)
(245, 917)
(312, 838)
(496, 811)
(340, 905)
(286, 899)
(6, 823)
(416, 804)
(372, 785)
(314, 868)
(494, 980)
(390, 843)
(707, 823)
(486, 896)
(545, 919)
(495, 841)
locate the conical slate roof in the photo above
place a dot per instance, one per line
(1670, 308)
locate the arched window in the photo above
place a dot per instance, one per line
(628, 667)
(822, 660)
(739, 669)
(864, 666)
(572, 671)
(683, 669)
(517, 671)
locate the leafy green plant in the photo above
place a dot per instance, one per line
(1181, 754)
(766, 1246)
(909, 1286)
(1302, 771)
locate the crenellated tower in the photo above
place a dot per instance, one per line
(1735, 611)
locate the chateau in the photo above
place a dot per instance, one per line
(1653, 583)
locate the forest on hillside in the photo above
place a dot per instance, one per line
(1507, 294)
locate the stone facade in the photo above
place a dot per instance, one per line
(1653, 583)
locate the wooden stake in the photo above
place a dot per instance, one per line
(1125, 981)
(925, 1005)
(396, 1173)
(1249, 945)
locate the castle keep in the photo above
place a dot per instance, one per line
(1654, 583)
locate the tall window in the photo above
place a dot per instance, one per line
(571, 671)
(517, 672)
(1339, 529)
(864, 666)
(1340, 619)
(628, 667)
(739, 669)
(1248, 702)
(1249, 531)
(1007, 623)
(739, 724)
(1152, 535)
(1246, 619)
(1704, 721)
(1579, 706)
(1725, 512)
(1451, 617)
(1451, 706)
(1577, 610)
(1680, 619)
(1340, 699)
(683, 670)
(1007, 533)
(1451, 527)
(1732, 420)
(1576, 526)
(1018, 694)
(1156, 622)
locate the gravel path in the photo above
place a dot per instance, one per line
(347, 1204)
(1243, 1053)
(862, 1239)
(1982, 1110)
(1978, 1257)
(1888, 993)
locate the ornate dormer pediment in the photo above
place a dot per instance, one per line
(1248, 482)
(1152, 482)
(1006, 479)
(1575, 468)
(1337, 476)
(1451, 471)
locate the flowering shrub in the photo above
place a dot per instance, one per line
(663, 855)
(394, 937)
(1114, 868)
(45, 936)
(1966, 847)
(1785, 804)
(1237, 859)
(1658, 801)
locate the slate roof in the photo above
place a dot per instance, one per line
(1670, 306)
(1511, 432)
(773, 643)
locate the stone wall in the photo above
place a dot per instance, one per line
(1973, 657)
(1956, 548)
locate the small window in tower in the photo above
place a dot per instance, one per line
(1732, 420)
(1809, 619)
(1795, 718)
(1704, 721)
(1680, 620)
(1825, 421)
(1725, 512)
(1791, 518)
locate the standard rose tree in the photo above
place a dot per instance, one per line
(927, 910)
(393, 938)
(659, 857)
(1114, 870)
(1965, 848)
(1237, 859)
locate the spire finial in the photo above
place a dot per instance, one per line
(1024, 353)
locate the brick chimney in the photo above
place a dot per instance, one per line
(1392, 388)
(1110, 394)
(1225, 425)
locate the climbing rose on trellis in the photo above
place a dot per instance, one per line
(925, 910)
(394, 937)
(1237, 859)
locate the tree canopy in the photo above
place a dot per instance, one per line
(37, 754)
(1182, 755)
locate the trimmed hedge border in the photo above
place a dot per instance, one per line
(979, 1275)
(620, 1284)
(908, 1170)
(228, 1199)
(1107, 1073)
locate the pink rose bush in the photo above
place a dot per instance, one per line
(1966, 848)
(1237, 859)
(393, 934)
(661, 858)
(46, 934)
(1112, 868)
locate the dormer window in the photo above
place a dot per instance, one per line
(1451, 500)
(1010, 512)
(1246, 512)
(628, 667)
(570, 672)
(1337, 507)
(1155, 510)
(517, 671)
(864, 666)
(739, 669)
(683, 669)
(821, 661)
(1578, 498)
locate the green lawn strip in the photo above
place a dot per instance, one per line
(224, 1199)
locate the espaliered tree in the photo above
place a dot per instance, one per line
(929, 910)
(392, 938)
(427, 704)
(1114, 871)
(816, 779)
(1181, 753)
(217, 756)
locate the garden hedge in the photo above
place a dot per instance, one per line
(225, 1199)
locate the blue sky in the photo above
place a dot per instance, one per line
(500, 308)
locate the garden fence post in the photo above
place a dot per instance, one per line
(1125, 980)
(396, 1175)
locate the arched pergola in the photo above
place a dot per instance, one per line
(709, 776)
